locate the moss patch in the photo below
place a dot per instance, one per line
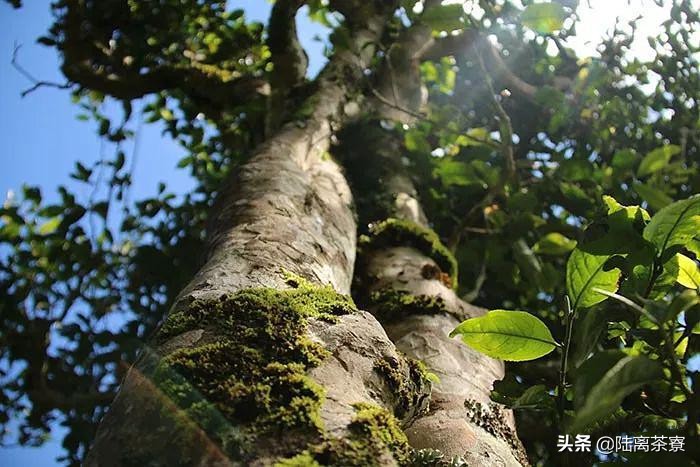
(250, 370)
(374, 435)
(492, 420)
(390, 304)
(409, 381)
(396, 232)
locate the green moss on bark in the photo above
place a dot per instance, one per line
(397, 232)
(375, 437)
(390, 304)
(409, 381)
(248, 376)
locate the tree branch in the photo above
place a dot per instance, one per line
(459, 44)
(120, 80)
(288, 56)
(37, 82)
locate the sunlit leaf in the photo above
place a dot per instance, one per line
(544, 18)
(507, 335)
(676, 224)
(688, 272)
(554, 243)
(49, 226)
(586, 271)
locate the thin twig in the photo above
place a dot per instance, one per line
(505, 126)
(37, 82)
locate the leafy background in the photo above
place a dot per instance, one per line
(77, 262)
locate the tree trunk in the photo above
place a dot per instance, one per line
(264, 358)
(407, 278)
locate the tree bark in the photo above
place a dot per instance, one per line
(405, 281)
(255, 364)
(264, 359)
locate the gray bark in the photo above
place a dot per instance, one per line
(289, 208)
(461, 421)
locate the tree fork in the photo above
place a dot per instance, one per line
(283, 219)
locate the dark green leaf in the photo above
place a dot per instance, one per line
(657, 159)
(607, 393)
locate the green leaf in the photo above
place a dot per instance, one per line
(657, 159)
(586, 271)
(656, 198)
(587, 334)
(554, 243)
(624, 159)
(534, 397)
(688, 272)
(676, 224)
(444, 17)
(544, 18)
(415, 141)
(625, 376)
(50, 226)
(507, 335)
(591, 371)
(456, 173)
(632, 213)
(166, 114)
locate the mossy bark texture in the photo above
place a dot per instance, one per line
(407, 278)
(263, 358)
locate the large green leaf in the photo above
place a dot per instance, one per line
(554, 243)
(544, 18)
(592, 370)
(688, 272)
(676, 224)
(586, 271)
(624, 376)
(507, 335)
(657, 159)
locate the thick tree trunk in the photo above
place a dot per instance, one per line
(261, 356)
(264, 359)
(406, 278)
